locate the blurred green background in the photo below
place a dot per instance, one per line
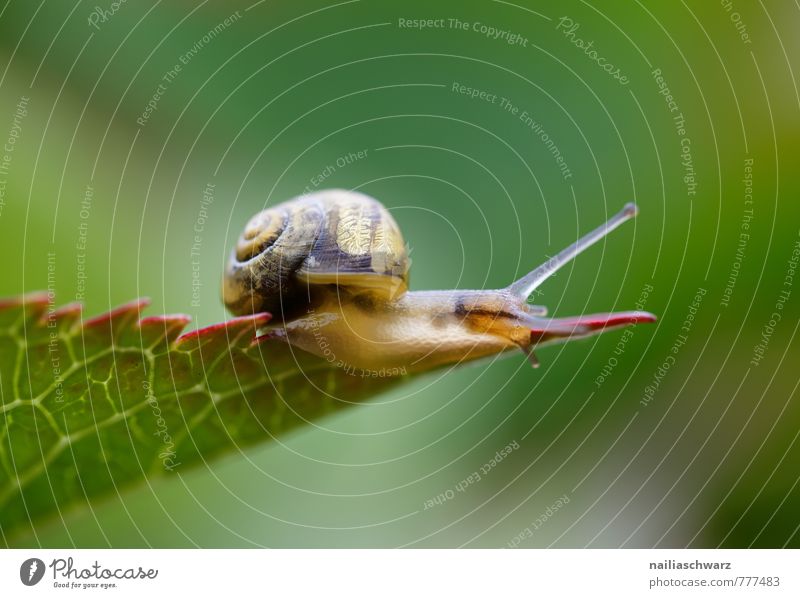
(271, 101)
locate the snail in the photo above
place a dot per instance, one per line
(332, 268)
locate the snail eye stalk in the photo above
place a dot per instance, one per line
(525, 286)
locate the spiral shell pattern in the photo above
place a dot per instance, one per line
(333, 237)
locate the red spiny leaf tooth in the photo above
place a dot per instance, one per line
(234, 332)
(70, 310)
(40, 297)
(63, 317)
(215, 353)
(116, 327)
(118, 315)
(577, 326)
(24, 312)
(37, 297)
(33, 305)
(166, 329)
(598, 321)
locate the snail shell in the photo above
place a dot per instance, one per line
(332, 237)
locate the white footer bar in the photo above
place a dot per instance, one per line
(387, 573)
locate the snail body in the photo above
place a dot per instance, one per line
(332, 268)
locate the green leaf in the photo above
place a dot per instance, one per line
(91, 406)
